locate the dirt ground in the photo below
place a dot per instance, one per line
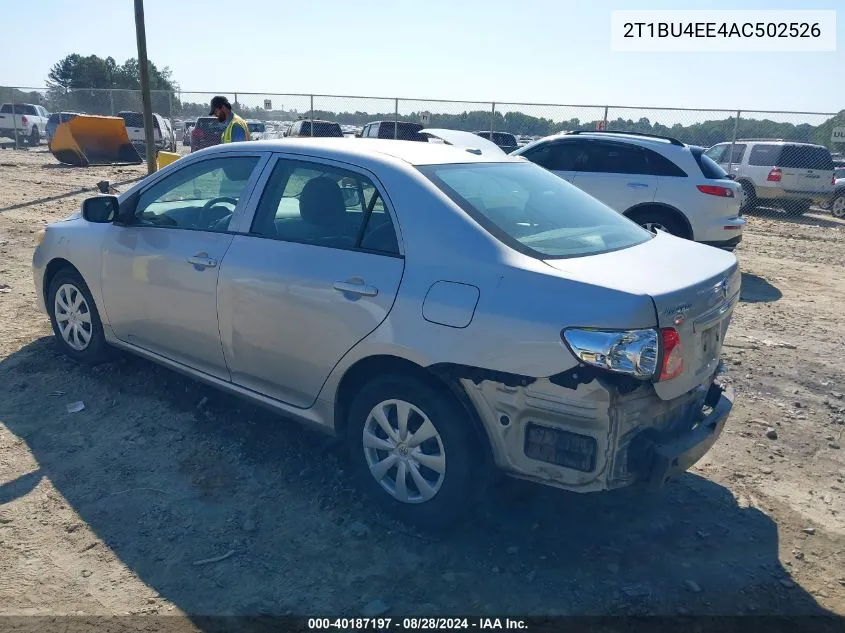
(117, 508)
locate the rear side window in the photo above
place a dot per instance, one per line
(805, 157)
(764, 155)
(6, 109)
(501, 138)
(404, 131)
(709, 168)
(659, 165)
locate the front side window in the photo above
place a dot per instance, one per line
(716, 153)
(560, 156)
(201, 196)
(534, 211)
(738, 153)
(318, 204)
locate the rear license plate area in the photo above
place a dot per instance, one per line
(710, 339)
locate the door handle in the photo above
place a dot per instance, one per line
(202, 260)
(360, 288)
(638, 185)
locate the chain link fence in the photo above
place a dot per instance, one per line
(274, 115)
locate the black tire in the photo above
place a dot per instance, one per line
(464, 477)
(797, 207)
(750, 197)
(837, 205)
(34, 138)
(97, 349)
(650, 218)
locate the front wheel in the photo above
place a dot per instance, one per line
(411, 445)
(75, 319)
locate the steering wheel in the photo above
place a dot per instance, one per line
(211, 204)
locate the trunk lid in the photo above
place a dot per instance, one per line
(694, 289)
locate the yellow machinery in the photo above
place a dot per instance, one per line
(93, 140)
(165, 158)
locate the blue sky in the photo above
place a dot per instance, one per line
(551, 51)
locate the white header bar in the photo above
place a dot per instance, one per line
(723, 31)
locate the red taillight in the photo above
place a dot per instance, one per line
(673, 357)
(715, 190)
(774, 175)
(24, 120)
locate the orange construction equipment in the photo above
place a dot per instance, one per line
(93, 140)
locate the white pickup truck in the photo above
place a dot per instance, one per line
(163, 134)
(27, 121)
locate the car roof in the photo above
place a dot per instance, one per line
(634, 139)
(358, 149)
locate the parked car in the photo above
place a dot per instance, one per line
(207, 132)
(53, 122)
(440, 310)
(659, 182)
(186, 132)
(321, 129)
(404, 131)
(26, 120)
(256, 129)
(505, 140)
(788, 174)
(163, 134)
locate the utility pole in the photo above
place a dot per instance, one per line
(146, 99)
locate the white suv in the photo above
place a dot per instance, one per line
(789, 174)
(658, 182)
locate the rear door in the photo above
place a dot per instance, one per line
(806, 168)
(310, 276)
(618, 174)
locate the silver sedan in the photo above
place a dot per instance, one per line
(443, 310)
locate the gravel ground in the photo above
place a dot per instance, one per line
(117, 509)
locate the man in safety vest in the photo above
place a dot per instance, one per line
(236, 127)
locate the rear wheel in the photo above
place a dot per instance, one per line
(660, 220)
(749, 197)
(837, 207)
(34, 138)
(411, 445)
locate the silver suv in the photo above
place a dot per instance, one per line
(787, 174)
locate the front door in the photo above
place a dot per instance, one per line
(159, 275)
(318, 271)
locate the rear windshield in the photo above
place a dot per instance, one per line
(20, 108)
(795, 156)
(805, 157)
(533, 211)
(708, 166)
(255, 127)
(403, 132)
(209, 124)
(321, 128)
(133, 119)
(501, 138)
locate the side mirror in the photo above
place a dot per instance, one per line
(100, 209)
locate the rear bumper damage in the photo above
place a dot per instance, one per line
(587, 433)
